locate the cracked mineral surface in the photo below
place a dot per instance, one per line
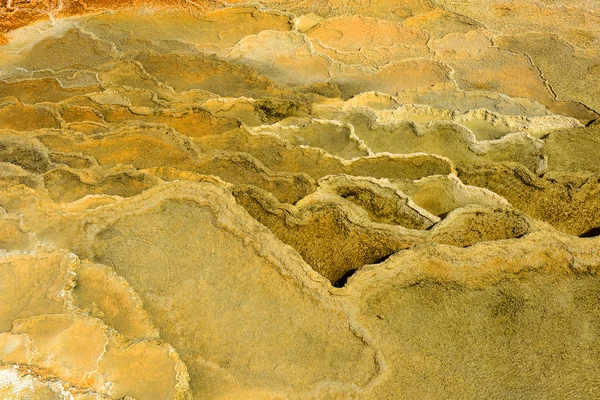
(337, 199)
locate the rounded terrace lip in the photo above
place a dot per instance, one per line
(299, 200)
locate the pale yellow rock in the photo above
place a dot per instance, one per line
(328, 232)
(127, 366)
(468, 100)
(307, 21)
(17, 384)
(104, 295)
(132, 74)
(568, 202)
(207, 73)
(439, 23)
(212, 32)
(75, 49)
(40, 90)
(280, 155)
(66, 184)
(218, 336)
(354, 33)
(139, 146)
(22, 117)
(484, 320)
(380, 198)
(299, 200)
(277, 55)
(573, 150)
(441, 194)
(67, 346)
(427, 131)
(82, 353)
(473, 224)
(336, 138)
(572, 73)
(52, 336)
(33, 284)
(183, 205)
(409, 74)
(12, 237)
(16, 348)
(336, 238)
(556, 17)
(11, 174)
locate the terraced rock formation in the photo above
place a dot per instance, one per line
(299, 200)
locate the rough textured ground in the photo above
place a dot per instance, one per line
(299, 200)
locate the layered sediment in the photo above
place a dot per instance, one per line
(299, 200)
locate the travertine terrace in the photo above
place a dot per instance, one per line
(299, 199)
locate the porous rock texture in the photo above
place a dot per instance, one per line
(299, 199)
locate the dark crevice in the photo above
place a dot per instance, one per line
(340, 283)
(382, 259)
(344, 279)
(591, 233)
